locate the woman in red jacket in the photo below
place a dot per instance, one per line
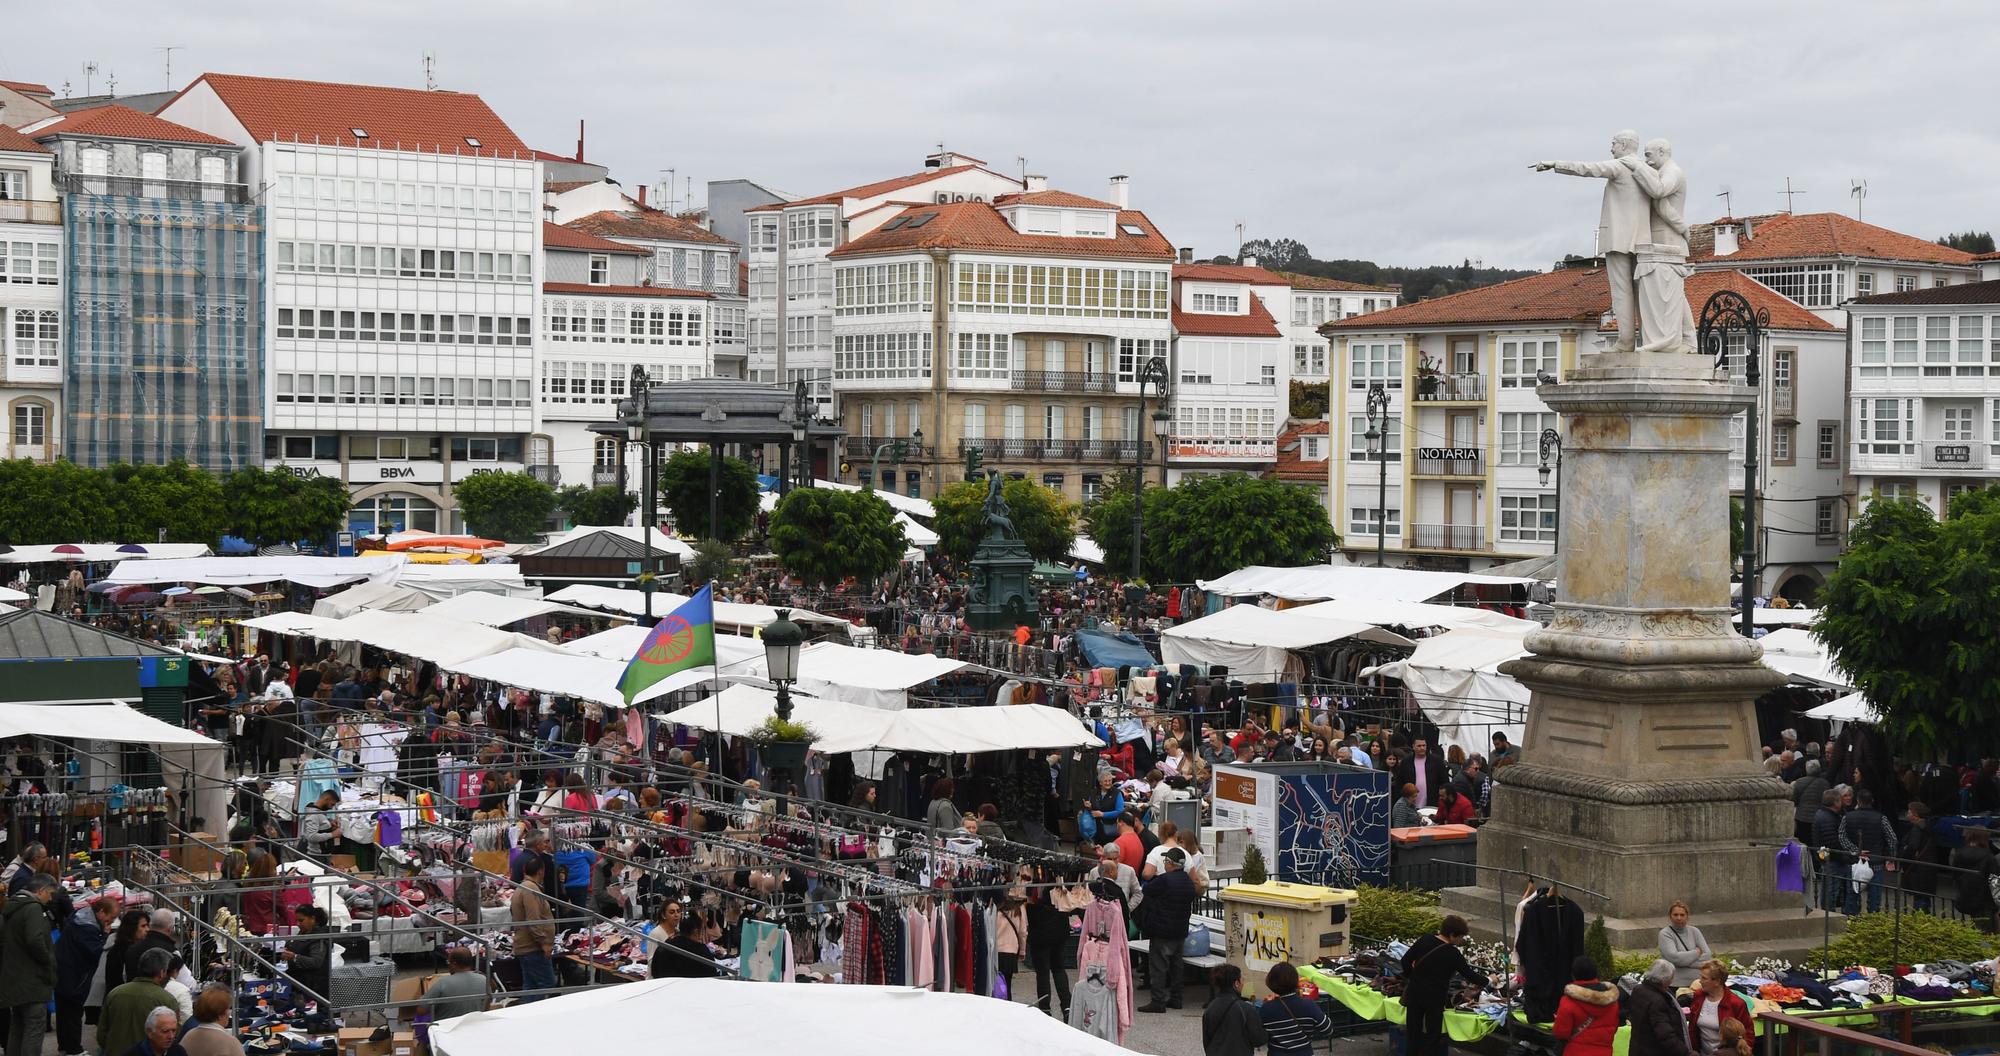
(260, 894)
(1587, 1018)
(1713, 1003)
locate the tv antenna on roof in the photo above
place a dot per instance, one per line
(89, 71)
(168, 51)
(1789, 194)
(1724, 195)
(430, 70)
(1858, 190)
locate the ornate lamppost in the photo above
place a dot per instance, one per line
(1726, 316)
(1377, 436)
(1552, 445)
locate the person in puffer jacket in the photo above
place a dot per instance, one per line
(1587, 1017)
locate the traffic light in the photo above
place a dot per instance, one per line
(974, 457)
(846, 467)
(898, 452)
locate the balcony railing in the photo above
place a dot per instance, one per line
(1205, 447)
(141, 187)
(864, 447)
(550, 474)
(1783, 402)
(1064, 381)
(20, 211)
(603, 475)
(1057, 450)
(1448, 387)
(1450, 461)
(1448, 537)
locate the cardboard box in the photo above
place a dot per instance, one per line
(196, 858)
(412, 988)
(353, 1041)
(404, 1043)
(343, 862)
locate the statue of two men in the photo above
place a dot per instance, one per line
(1642, 232)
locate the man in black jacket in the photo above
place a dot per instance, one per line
(684, 956)
(1833, 862)
(1428, 969)
(1424, 770)
(77, 955)
(1163, 917)
(1867, 835)
(1658, 1027)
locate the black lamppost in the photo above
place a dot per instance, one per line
(1378, 436)
(639, 430)
(1154, 373)
(1727, 315)
(802, 409)
(1552, 445)
(782, 642)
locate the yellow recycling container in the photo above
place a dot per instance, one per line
(1276, 921)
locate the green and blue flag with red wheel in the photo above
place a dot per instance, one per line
(684, 639)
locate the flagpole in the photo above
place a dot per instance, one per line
(715, 682)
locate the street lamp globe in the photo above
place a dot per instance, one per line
(1543, 472)
(783, 640)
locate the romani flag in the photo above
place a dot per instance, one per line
(685, 639)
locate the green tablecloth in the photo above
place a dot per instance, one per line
(1371, 1005)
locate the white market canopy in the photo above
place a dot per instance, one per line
(291, 624)
(568, 674)
(1456, 679)
(1854, 707)
(661, 541)
(915, 507)
(1796, 654)
(444, 581)
(439, 639)
(188, 757)
(244, 571)
(499, 610)
(620, 643)
(387, 597)
(721, 1015)
(916, 534)
(1086, 550)
(1253, 641)
(31, 555)
(1767, 617)
(8, 596)
(633, 602)
(876, 678)
(844, 727)
(1387, 613)
(1321, 582)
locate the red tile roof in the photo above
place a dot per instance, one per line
(621, 291)
(1228, 273)
(1052, 199)
(543, 155)
(650, 223)
(1988, 256)
(15, 141)
(1257, 323)
(1784, 236)
(123, 122)
(867, 190)
(1292, 463)
(1987, 292)
(1570, 296)
(27, 87)
(978, 226)
(1315, 282)
(564, 186)
(556, 236)
(273, 108)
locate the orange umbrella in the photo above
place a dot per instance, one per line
(452, 542)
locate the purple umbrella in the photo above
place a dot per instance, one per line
(144, 597)
(131, 548)
(102, 587)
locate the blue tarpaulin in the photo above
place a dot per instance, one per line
(1101, 649)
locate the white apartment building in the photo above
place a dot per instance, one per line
(1316, 302)
(1015, 329)
(791, 290)
(1459, 463)
(683, 255)
(31, 299)
(403, 238)
(601, 318)
(1824, 260)
(1925, 392)
(1230, 377)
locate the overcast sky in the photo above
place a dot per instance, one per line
(1398, 132)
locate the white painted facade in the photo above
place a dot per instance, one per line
(1230, 393)
(31, 307)
(1310, 355)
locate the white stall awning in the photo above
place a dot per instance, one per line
(244, 571)
(438, 639)
(844, 727)
(569, 674)
(877, 678)
(633, 602)
(1456, 679)
(290, 623)
(387, 597)
(1384, 612)
(30, 555)
(1321, 582)
(1854, 707)
(499, 610)
(1257, 642)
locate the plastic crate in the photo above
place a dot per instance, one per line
(362, 984)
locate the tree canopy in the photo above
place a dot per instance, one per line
(1285, 254)
(1969, 241)
(1911, 613)
(684, 488)
(1206, 526)
(604, 504)
(823, 535)
(511, 506)
(1043, 519)
(180, 498)
(267, 506)
(55, 502)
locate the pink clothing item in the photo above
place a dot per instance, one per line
(1103, 942)
(918, 929)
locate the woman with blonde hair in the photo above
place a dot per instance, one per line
(1682, 944)
(1715, 1004)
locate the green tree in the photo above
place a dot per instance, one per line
(54, 502)
(1280, 254)
(510, 506)
(604, 504)
(1206, 526)
(181, 498)
(712, 563)
(266, 506)
(1911, 613)
(1109, 521)
(1309, 399)
(684, 488)
(1043, 520)
(1969, 241)
(824, 536)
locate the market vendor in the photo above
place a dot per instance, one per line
(319, 829)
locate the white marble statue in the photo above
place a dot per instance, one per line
(1643, 235)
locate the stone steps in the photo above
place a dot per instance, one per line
(1758, 931)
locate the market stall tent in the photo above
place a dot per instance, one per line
(89, 552)
(877, 678)
(244, 571)
(1796, 654)
(727, 1016)
(191, 763)
(439, 639)
(844, 727)
(633, 602)
(1322, 582)
(585, 677)
(732, 651)
(1384, 612)
(387, 597)
(1456, 679)
(1259, 642)
(1854, 707)
(496, 610)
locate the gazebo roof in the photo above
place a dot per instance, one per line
(718, 409)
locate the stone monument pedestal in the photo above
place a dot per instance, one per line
(1002, 596)
(1641, 777)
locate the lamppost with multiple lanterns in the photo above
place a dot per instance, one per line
(1377, 436)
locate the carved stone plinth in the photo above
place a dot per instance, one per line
(1641, 777)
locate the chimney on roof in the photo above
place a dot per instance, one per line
(1120, 191)
(1728, 235)
(1187, 255)
(579, 139)
(1250, 261)
(642, 196)
(1035, 183)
